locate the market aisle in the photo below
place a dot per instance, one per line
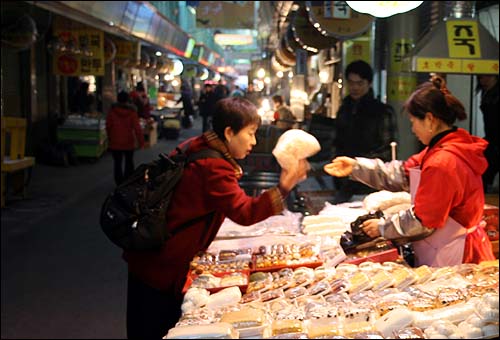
(61, 277)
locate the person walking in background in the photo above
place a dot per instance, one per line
(236, 92)
(83, 101)
(187, 103)
(488, 87)
(206, 105)
(221, 91)
(283, 116)
(365, 127)
(207, 193)
(252, 95)
(141, 100)
(444, 181)
(124, 131)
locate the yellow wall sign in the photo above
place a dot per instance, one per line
(358, 49)
(399, 88)
(399, 50)
(463, 39)
(70, 63)
(448, 65)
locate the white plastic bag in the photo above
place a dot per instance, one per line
(294, 145)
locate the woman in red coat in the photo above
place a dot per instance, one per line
(208, 192)
(444, 181)
(124, 131)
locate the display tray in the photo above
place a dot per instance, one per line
(389, 255)
(243, 288)
(310, 264)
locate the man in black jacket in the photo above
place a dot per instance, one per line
(488, 87)
(365, 127)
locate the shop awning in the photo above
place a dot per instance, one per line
(127, 19)
(455, 46)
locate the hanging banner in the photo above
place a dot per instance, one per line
(358, 49)
(81, 52)
(128, 53)
(399, 49)
(307, 35)
(336, 19)
(463, 39)
(225, 14)
(400, 87)
(448, 65)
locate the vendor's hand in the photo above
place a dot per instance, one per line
(340, 166)
(290, 177)
(370, 227)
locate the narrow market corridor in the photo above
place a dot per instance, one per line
(61, 277)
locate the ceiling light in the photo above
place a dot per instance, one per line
(204, 74)
(178, 67)
(233, 39)
(261, 73)
(383, 9)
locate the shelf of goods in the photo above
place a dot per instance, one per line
(371, 292)
(87, 135)
(369, 300)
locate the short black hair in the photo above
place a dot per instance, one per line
(361, 68)
(123, 97)
(278, 99)
(234, 112)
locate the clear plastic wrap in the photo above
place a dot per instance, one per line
(294, 145)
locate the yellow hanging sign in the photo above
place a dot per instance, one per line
(448, 65)
(399, 88)
(463, 39)
(399, 50)
(81, 49)
(358, 49)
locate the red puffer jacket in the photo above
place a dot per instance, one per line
(208, 187)
(123, 128)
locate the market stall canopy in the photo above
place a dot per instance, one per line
(306, 35)
(128, 20)
(455, 46)
(336, 19)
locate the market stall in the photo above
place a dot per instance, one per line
(168, 119)
(291, 276)
(87, 134)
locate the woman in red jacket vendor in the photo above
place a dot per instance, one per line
(444, 181)
(208, 192)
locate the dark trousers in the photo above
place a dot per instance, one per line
(121, 173)
(150, 312)
(492, 155)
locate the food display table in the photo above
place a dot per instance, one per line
(287, 277)
(87, 135)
